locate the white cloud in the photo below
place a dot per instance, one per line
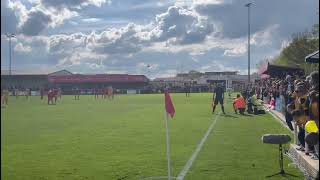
(235, 52)
(116, 72)
(194, 3)
(215, 2)
(264, 37)
(22, 49)
(143, 67)
(82, 57)
(37, 21)
(45, 13)
(91, 20)
(73, 3)
(216, 65)
(19, 10)
(234, 47)
(173, 34)
(185, 25)
(95, 66)
(166, 73)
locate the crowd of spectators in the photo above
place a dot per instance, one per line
(297, 97)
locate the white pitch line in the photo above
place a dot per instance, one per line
(187, 167)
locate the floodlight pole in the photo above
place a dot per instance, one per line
(248, 6)
(10, 36)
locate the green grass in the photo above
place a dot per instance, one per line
(125, 139)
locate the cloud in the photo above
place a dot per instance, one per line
(142, 66)
(184, 25)
(191, 3)
(265, 37)
(79, 57)
(159, 35)
(163, 35)
(95, 66)
(36, 22)
(32, 21)
(264, 14)
(9, 20)
(91, 20)
(165, 73)
(43, 14)
(69, 4)
(235, 52)
(22, 49)
(177, 26)
(63, 44)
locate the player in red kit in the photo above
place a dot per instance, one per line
(110, 93)
(50, 96)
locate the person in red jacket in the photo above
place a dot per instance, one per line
(239, 104)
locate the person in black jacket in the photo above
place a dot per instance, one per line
(218, 97)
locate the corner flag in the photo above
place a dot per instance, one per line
(169, 105)
(169, 111)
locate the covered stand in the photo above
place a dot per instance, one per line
(280, 71)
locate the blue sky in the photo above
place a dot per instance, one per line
(157, 38)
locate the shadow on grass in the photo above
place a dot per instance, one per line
(248, 115)
(229, 115)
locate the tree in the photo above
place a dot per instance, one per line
(302, 44)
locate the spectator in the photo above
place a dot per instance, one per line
(314, 107)
(239, 104)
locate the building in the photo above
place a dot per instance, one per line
(200, 81)
(20, 81)
(67, 81)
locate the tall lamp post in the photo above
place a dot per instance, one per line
(10, 35)
(248, 6)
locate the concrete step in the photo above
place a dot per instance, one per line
(311, 166)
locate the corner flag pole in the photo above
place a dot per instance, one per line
(168, 146)
(170, 111)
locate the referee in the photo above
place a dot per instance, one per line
(218, 97)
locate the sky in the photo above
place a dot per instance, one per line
(157, 38)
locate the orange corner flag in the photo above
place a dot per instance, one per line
(169, 105)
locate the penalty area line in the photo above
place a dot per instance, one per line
(187, 167)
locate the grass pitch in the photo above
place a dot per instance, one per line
(125, 139)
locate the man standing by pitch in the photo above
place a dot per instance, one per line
(219, 92)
